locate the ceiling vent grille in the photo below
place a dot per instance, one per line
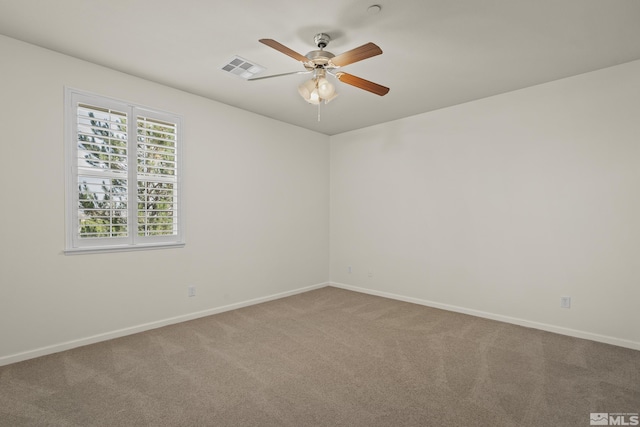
(242, 68)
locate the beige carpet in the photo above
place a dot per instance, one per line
(328, 357)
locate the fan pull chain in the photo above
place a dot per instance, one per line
(319, 111)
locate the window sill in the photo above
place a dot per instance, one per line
(128, 248)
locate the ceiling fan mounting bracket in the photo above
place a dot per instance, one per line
(322, 40)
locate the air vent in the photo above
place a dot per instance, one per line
(242, 68)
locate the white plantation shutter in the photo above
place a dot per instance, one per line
(157, 177)
(123, 183)
(101, 173)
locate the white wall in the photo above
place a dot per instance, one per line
(501, 206)
(256, 192)
(496, 207)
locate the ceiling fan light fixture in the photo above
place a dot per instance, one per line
(317, 90)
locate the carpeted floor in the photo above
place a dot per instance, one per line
(328, 357)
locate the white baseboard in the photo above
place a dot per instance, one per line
(68, 345)
(56, 348)
(507, 319)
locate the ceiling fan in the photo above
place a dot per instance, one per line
(321, 62)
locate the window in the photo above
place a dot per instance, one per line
(123, 175)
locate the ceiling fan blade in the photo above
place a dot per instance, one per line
(280, 75)
(282, 48)
(358, 54)
(362, 83)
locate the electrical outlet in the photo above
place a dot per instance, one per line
(565, 302)
(191, 291)
(349, 269)
(371, 274)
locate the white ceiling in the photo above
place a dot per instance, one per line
(437, 53)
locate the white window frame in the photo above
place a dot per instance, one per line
(74, 243)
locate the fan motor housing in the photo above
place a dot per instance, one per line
(320, 58)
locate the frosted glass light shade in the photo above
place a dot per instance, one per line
(314, 98)
(325, 89)
(306, 88)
